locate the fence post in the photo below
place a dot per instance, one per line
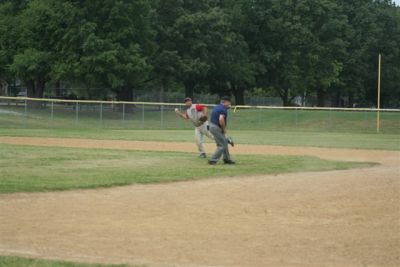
(52, 114)
(162, 116)
(52, 111)
(26, 108)
(123, 112)
(181, 122)
(142, 115)
(25, 119)
(76, 113)
(101, 114)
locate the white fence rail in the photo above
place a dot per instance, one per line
(22, 112)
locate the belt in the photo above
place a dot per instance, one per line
(211, 123)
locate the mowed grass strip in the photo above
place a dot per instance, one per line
(8, 261)
(153, 117)
(336, 129)
(281, 138)
(32, 168)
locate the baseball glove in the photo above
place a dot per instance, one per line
(203, 119)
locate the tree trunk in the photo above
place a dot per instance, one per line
(351, 100)
(39, 90)
(284, 94)
(30, 88)
(338, 98)
(189, 88)
(161, 93)
(3, 88)
(320, 97)
(58, 88)
(35, 89)
(125, 94)
(239, 96)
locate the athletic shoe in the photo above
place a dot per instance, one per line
(203, 155)
(230, 162)
(230, 141)
(212, 162)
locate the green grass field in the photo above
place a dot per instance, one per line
(30, 168)
(283, 138)
(41, 169)
(8, 261)
(155, 117)
(336, 129)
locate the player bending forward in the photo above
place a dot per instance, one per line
(219, 121)
(198, 115)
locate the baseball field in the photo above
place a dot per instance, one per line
(73, 193)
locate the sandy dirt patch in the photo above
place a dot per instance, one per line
(338, 218)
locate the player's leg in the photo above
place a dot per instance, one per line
(222, 145)
(200, 142)
(206, 131)
(226, 155)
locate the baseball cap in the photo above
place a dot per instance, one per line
(187, 99)
(226, 98)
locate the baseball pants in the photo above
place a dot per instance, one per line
(200, 132)
(222, 144)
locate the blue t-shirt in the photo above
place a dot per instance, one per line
(217, 111)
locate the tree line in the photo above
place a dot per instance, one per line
(287, 48)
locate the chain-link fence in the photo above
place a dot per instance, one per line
(44, 114)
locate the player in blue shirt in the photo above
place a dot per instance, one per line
(219, 121)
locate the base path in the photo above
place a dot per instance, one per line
(338, 218)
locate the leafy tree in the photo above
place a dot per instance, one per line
(326, 46)
(194, 33)
(165, 59)
(323, 48)
(34, 45)
(388, 44)
(8, 37)
(198, 47)
(277, 41)
(107, 45)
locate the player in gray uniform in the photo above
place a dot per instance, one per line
(198, 115)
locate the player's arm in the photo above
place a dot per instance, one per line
(182, 115)
(202, 108)
(205, 111)
(222, 123)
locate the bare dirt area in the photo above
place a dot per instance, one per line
(338, 218)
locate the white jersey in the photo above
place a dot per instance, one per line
(194, 113)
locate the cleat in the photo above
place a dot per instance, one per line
(212, 162)
(230, 162)
(230, 141)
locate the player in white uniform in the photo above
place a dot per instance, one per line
(198, 115)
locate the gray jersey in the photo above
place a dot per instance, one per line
(195, 112)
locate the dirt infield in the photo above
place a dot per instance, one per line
(338, 218)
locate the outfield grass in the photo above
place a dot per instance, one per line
(156, 117)
(284, 138)
(341, 129)
(8, 261)
(29, 168)
(315, 120)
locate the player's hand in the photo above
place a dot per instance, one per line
(177, 110)
(203, 119)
